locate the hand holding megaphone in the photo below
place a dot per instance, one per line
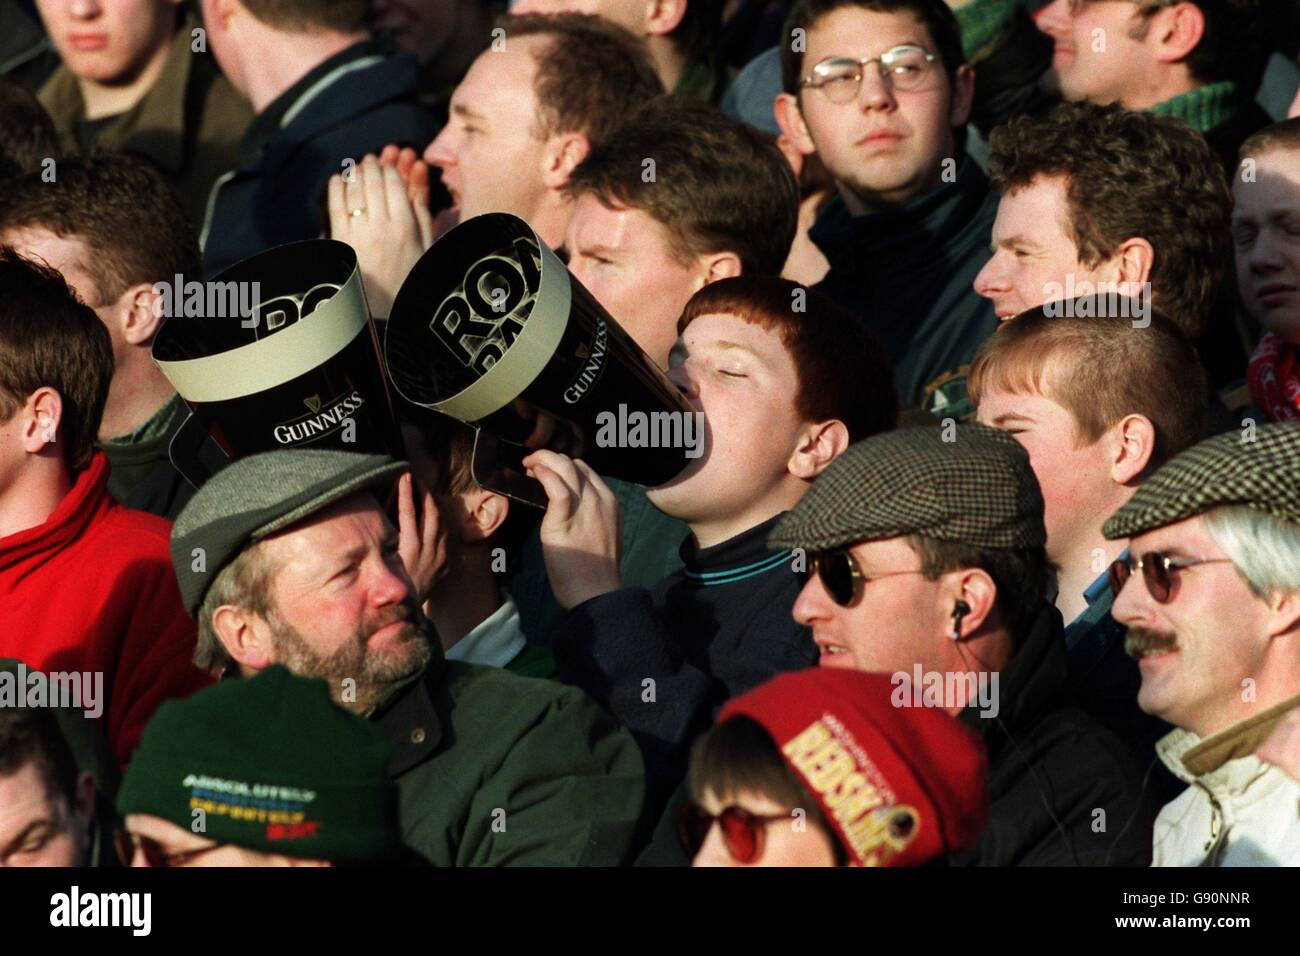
(582, 531)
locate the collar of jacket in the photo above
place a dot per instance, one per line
(742, 556)
(81, 506)
(1031, 682)
(269, 140)
(914, 230)
(161, 110)
(409, 717)
(1190, 757)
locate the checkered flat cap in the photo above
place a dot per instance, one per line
(966, 483)
(1261, 473)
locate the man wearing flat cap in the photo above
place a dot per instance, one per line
(287, 558)
(1210, 594)
(925, 553)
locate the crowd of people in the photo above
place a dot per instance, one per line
(991, 309)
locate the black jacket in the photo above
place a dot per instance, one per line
(907, 273)
(275, 194)
(717, 628)
(1065, 790)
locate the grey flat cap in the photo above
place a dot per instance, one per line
(259, 495)
(976, 488)
(1263, 474)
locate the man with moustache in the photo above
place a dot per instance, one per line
(287, 558)
(1214, 621)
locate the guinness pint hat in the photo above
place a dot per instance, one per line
(257, 496)
(965, 483)
(1263, 473)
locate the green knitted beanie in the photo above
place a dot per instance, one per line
(274, 765)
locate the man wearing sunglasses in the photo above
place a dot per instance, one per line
(926, 560)
(1210, 593)
(880, 91)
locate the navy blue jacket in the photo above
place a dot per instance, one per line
(276, 193)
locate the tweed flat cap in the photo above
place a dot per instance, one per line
(257, 496)
(976, 488)
(1263, 474)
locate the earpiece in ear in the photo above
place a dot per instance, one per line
(959, 610)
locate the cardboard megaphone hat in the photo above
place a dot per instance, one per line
(491, 329)
(277, 351)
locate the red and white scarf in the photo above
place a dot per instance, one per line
(1274, 377)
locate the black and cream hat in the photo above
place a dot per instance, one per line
(967, 483)
(1260, 471)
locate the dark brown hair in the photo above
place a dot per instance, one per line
(1232, 46)
(698, 34)
(717, 185)
(739, 756)
(935, 15)
(1100, 368)
(844, 371)
(120, 207)
(591, 75)
(1130, 174)
(307, 16)
(1019, 577)
(48, 338)
(27, 134)
(32, 734)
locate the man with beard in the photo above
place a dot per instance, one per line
(1215, 625)
(287, 558)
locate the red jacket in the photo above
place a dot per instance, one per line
(92, 589)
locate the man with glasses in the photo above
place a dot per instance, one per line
(926, 552)
(880, 91)
(1213, 617)
(260, 772)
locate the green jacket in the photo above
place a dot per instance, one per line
(494, 769)
(188, 123)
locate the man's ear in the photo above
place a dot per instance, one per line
(1284, 614)
(719, 265)
(976, 590)
(138, 314)
(244, 636)
(561, 156)
(1133, 445)
(819, 445)
(83, 802)
(662, 17)
(1132, 262)
(963, 95)
(789, 117)
(483, 512)
(1176, 32)
(42, 414)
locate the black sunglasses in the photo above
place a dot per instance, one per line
(840, 575)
